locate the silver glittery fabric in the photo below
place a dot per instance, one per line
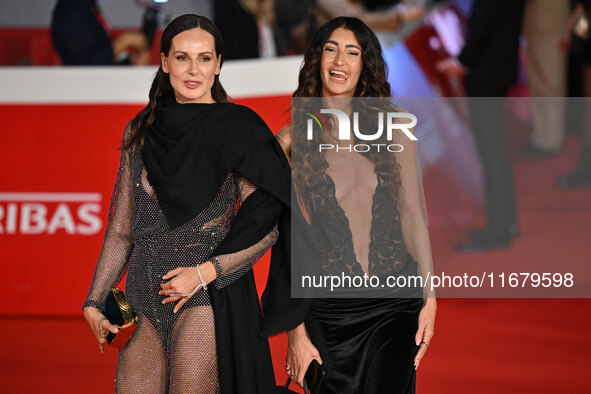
(168, 352)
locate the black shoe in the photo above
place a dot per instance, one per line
(486, 241)
(483, 232)
(531, 152)
(578, 177)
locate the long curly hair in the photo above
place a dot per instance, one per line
(309, 173)
(161, 84)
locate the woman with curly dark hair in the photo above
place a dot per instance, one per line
(365, 209)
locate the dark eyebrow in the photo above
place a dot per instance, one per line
(201, 53)
(346, 46)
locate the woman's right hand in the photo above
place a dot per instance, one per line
(300, 353)
(99, 325)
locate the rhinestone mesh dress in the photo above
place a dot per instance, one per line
(168, 352)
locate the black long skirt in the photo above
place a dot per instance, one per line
(367, 345)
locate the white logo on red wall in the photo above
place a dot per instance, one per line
(50, 213)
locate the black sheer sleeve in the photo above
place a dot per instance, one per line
(117, 245)
(231, 266)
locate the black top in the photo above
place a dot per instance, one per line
(190, 148)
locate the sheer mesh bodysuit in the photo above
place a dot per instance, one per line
(168, 352)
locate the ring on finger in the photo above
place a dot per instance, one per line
(101, 326)
(425, 343)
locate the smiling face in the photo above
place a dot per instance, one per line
(340, 64)
(192, 65)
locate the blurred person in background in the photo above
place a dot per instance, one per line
(578, 24)
(543, 26)
(247, 26)
(81, 36)
(267, 28)
(489, 64)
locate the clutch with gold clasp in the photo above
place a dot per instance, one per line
(120, 314)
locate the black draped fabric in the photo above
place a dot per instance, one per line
(367, 344)
(188, 152)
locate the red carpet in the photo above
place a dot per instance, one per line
(480, 345)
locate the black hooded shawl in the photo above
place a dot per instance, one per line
(188, 152)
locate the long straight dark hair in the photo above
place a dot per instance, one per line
(161, 85)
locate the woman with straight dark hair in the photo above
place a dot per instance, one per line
(200, 196)
(365, 209)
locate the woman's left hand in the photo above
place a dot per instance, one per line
(426, 328)
(183, 280)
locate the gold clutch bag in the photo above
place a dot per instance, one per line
(120, 314)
